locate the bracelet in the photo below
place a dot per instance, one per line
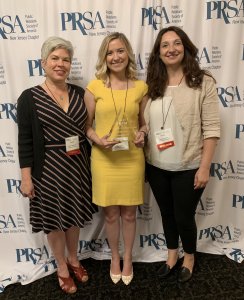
(145, 134)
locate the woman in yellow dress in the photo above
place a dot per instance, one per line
(115, 102)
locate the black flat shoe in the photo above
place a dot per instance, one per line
(164, 270)
(184, 274)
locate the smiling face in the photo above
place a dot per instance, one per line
(171, 49)
(57, 65)
(117, 58)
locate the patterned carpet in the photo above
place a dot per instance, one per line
(216, 277)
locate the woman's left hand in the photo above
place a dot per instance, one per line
(139, 140)
(201, 178)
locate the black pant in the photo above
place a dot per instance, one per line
(177, 200)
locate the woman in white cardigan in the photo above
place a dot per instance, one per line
(182, 116)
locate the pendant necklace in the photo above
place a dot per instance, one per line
(165, 118)
(60, 97)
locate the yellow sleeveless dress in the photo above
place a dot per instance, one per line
(117, 176)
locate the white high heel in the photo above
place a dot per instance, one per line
(127, 279)
(115, 278)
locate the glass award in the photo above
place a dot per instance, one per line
(122, 131)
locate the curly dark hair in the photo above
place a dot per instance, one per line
(157, 76)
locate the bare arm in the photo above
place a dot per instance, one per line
(90, 132)
(202, 175)
(142, 122)
(142, 132)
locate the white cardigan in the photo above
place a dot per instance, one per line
(198, 113)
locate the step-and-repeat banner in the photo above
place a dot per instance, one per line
(216, 27)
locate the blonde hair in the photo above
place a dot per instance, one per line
(101, 66)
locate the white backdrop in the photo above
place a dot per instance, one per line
(216, 27)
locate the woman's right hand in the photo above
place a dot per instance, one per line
(106, 143)
(27, 188)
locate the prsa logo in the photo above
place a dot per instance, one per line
(7, 153)
(226, 10)
(139, 63)
(94, 245)
(204, 55)
(154, 16)
(223, 170)
(210, 58)
(7, 222)
(206, 207)
(144, 212)
(239, 131)
(13, 186)
(82, 21)
(31, 254)
(10, 25)
(35, 67)
(36, 255)
(8, 111)
(230, 96)
(236, 255)
(238, 201)
(214, 233)
(12, 224)
(142, 62)
(156, 240)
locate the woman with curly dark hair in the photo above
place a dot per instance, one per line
(183, 128)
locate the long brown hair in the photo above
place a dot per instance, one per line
(157, 76)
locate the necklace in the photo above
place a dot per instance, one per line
(165, 118)
(123, 122)
(61, 97)
(181, 79)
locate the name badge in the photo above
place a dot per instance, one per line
(72, 145)
(164, 139)
(122, 145)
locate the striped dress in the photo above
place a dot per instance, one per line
(63, 194)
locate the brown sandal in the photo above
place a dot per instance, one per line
(80, 272)
(67, 285)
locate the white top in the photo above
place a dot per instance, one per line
(162, 111)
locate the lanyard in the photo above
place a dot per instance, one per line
(164, 119)
(115, 108)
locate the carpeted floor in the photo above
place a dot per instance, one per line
(216, 277)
